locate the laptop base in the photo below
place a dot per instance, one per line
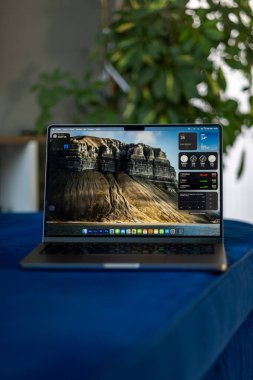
(163, 258)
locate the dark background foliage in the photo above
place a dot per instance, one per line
(172, 57)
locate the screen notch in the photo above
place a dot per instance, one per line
(134, 128)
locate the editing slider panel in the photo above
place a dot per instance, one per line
(198, 200)
(198, 180)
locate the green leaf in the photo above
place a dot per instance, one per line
(173, 116)
(145, 113)
(214, 34)
(184, 59)
(184, 34)
(129, 110)
(188, 45)
(232, 50)
(236, 65)
(204, 46)
(169, 84)
(116, 56)
(156, 30)
(150, 117)
(146, 93)
(159, 88)
(229, 106)
(251, 104)
(159, 4)
(147, 76)
(148, 60)
(221, 79)
(163, 119)
(241, 165)
(188, 81)
(172, 87)
(135, 4)
(152, 51)
(128, 59)
(125, 27)
(127, 42)
(213, 84)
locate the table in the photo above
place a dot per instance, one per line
(124, 324)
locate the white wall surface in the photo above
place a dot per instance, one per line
(238, 193)
(238, 203)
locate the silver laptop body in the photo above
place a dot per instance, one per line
(132, 197)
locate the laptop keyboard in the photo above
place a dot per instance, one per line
(128, 248)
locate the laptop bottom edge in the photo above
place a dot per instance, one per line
(156, 261)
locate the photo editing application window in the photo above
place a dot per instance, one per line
(107, 181)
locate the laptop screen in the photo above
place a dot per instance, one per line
(115, 181)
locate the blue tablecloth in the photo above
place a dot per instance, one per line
(118, 325)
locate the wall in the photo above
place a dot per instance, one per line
(238, 192)
(36, 36)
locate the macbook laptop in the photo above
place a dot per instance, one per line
(132, 197)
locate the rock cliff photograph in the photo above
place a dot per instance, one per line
(106, 180)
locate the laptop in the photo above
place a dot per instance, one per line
(132, 197)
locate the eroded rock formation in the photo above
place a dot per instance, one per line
(109, 155)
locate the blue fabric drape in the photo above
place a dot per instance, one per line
(118, 325)
(236, 361)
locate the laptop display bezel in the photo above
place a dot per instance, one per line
(136, 239)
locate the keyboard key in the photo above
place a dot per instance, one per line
(128, 248)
